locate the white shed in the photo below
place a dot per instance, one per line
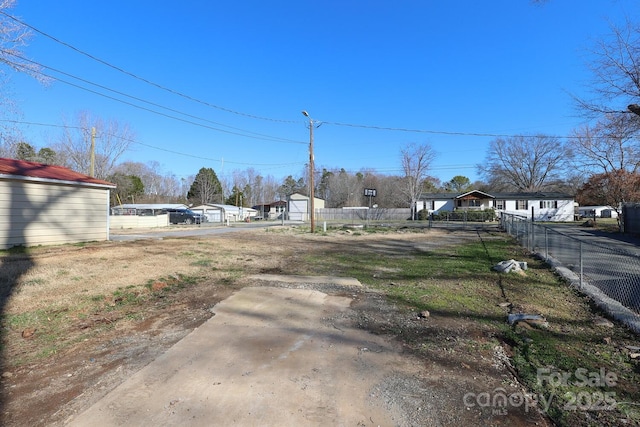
(299, 206)
(598, 211)
(44, 204)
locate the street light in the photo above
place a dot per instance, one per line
(311, 185)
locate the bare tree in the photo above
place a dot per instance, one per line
(524, 163)
(340, 188)
(112, 139)
(157, 187)
(270, 188)
(389, 192)
(416, 160)
(252, 185)
(607, 146)
(616, 73)
(14, 37)
(610, 154)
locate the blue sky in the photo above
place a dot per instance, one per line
(238, 75)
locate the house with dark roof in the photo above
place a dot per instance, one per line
(541, 206)
(273, 210)
(44, 204)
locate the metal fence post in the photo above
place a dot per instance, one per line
(546, 244)
(581, 268)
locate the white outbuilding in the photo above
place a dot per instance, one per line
(598, 212)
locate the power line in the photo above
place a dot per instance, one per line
(450, 133)
(130, 74)
(153, 146)
(214, 160)
(353, 125)
(259, 135)
(265, 138)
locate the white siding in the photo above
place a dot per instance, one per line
(443, 206)
(564, 211)
(298, 210)
(43, 213)
(213, 215)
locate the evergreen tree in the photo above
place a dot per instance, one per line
(206, 188)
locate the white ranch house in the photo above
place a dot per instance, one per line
(541, 206)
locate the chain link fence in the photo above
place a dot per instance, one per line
(613, 271)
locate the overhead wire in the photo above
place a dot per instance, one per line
(453, 133)
(152, 146)
(257, 135)
(142, 79)
(172, 91)
(168, 115)
(246, 133)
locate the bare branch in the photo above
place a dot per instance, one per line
(416, 161)
(524, 163)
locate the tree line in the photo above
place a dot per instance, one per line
(598, 162)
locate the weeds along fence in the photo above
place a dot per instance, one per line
(615, 272)
(361, 215)
(460, 216)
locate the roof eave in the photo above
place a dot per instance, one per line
(57, 181)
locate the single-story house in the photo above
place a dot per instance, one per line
(299, 206)
(597, 211)
(44, 204)
(272, 210)
(541, 206)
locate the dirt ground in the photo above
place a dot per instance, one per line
(99, 341)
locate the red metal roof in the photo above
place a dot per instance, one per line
(44, 171)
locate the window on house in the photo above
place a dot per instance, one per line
(548, 204)
(459, 203)
(498, 204)
(432, 205)
(522, 205)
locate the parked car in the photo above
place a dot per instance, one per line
(184, 216)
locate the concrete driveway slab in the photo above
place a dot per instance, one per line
(269, 357)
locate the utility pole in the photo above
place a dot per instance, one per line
(311, 184)
(92, 169)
